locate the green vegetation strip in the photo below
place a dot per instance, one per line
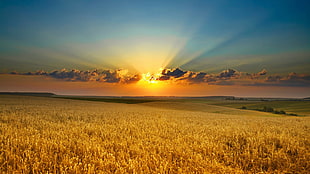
(270, 109)
(301, 108)
(112, 100)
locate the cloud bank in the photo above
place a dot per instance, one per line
(179, 76)
(234, 77)
(108, 76)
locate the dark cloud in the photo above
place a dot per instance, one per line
(14, 72)
(229, 73)
(199, 77)
(132, 79)
(292, 79)
(262, 72)
(183, 76)
(164, 77)
(273, 78)
(234, 77)
(73, 75)
(258, 75)
(295, 76)
(169, 74)
(177, 75)
(108, 76)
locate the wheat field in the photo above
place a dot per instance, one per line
(52, 135)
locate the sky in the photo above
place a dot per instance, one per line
(177, 47)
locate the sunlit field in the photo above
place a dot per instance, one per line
(54, 135)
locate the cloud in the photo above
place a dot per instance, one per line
(173, 73)
(259, 74)
(199, 77)
(176, 73)
(276, 78)
(229, 73)
(108, 76)
(292, 79)
(118, 76)
(179, 76)
(234, 77)
(262, 72)
(191, 77)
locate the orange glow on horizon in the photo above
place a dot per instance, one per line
(150, 83)
(152, 77)
(21, 83)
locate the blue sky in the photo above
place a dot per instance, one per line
(145, 47)
(203, 35)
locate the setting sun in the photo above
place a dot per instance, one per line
(151, 78)
(151, 84)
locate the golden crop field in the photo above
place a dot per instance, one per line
(53, 135)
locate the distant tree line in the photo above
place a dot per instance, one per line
(272, 110)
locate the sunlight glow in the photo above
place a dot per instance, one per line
(151, 84)
(151, 78)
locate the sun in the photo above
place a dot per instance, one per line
(151, 80)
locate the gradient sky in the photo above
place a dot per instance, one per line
(143, 36)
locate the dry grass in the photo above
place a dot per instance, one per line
(46, 135)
